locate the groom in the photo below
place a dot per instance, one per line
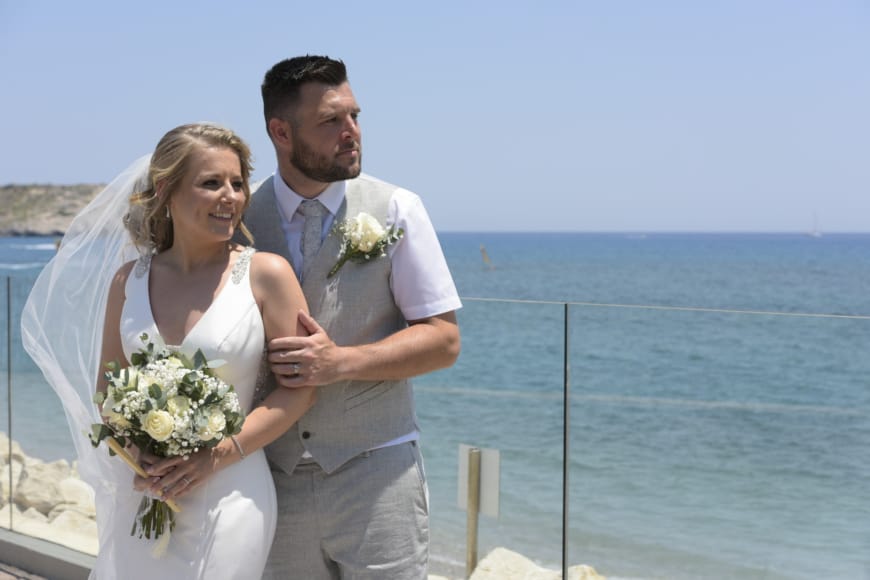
(352, 496)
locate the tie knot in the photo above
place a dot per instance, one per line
(312, 208)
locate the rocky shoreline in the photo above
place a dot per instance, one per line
(42, 210)
(49, 501)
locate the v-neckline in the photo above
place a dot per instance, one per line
(220, 293)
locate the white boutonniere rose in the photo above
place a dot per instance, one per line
(363, 238)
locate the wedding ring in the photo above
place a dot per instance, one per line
(295, 367)
(185, 480)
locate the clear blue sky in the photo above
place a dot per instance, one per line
(619, 115)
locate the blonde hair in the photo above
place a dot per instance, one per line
(147, 219)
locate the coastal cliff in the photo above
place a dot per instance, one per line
(42, 210)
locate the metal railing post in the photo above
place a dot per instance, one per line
(473, 510)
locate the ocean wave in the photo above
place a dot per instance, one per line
(21, 266)
(46, 246)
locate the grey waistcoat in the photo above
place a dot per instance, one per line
(355, 306)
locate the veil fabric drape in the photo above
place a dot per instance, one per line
(61, 329)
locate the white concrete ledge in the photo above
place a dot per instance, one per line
(44, 558)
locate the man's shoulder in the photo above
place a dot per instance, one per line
(262, 186)
(261, 192)
(366, 181)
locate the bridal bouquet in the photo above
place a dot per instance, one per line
(363, 238)
(168, 405)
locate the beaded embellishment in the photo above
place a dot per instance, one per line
(142, 265)
(241, 265)
(239, 268)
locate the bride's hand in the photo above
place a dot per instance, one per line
(147, 461)
(175, 477)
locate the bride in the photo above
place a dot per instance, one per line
(191, 288)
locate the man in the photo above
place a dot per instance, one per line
(352, 497)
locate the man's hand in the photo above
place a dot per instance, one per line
(300, 361)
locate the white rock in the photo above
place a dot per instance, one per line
(75, 491)
(88, 512)
(39, 486)
(16, 468)
(76, 531)
(584, 572)
(504, 564)
(17, 454)
(33, 514)
(4, 515)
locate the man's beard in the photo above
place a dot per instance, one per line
(320, 167)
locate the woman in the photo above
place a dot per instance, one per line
(194, 288)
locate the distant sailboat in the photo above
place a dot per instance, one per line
(815, 232)
(486, 261)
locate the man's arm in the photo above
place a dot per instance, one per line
(425, 345)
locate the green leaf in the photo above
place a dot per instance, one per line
(99, 431)
(154, 391)
(199, 360)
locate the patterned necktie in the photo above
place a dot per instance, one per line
(313, 211)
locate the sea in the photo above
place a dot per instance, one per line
(656, 406)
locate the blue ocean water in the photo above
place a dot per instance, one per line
(717, 388)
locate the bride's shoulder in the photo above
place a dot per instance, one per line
(269, 264)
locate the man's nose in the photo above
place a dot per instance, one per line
(351, 129)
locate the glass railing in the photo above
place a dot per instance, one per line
(700, 443)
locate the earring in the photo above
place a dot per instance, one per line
(167, 212)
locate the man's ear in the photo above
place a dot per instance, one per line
(279, 131)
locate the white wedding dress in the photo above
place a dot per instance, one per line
(225, 526)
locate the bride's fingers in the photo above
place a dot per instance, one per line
(144, 483)
(176, 488)
(164, 467)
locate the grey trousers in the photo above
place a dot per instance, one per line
(368, 520)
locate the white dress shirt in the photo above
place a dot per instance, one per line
(420, 281)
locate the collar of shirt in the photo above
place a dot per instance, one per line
(293, 222)
(288, 200)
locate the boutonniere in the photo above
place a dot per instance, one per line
(363, 238)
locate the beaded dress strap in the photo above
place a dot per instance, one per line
(142, 265)
(241, 265)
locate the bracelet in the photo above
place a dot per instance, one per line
(238, 446)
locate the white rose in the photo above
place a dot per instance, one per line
(366, 232)
(159, 425)
(178, 405)
(215, 422)
(146, 380)
(174, 362)
(116, 419)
